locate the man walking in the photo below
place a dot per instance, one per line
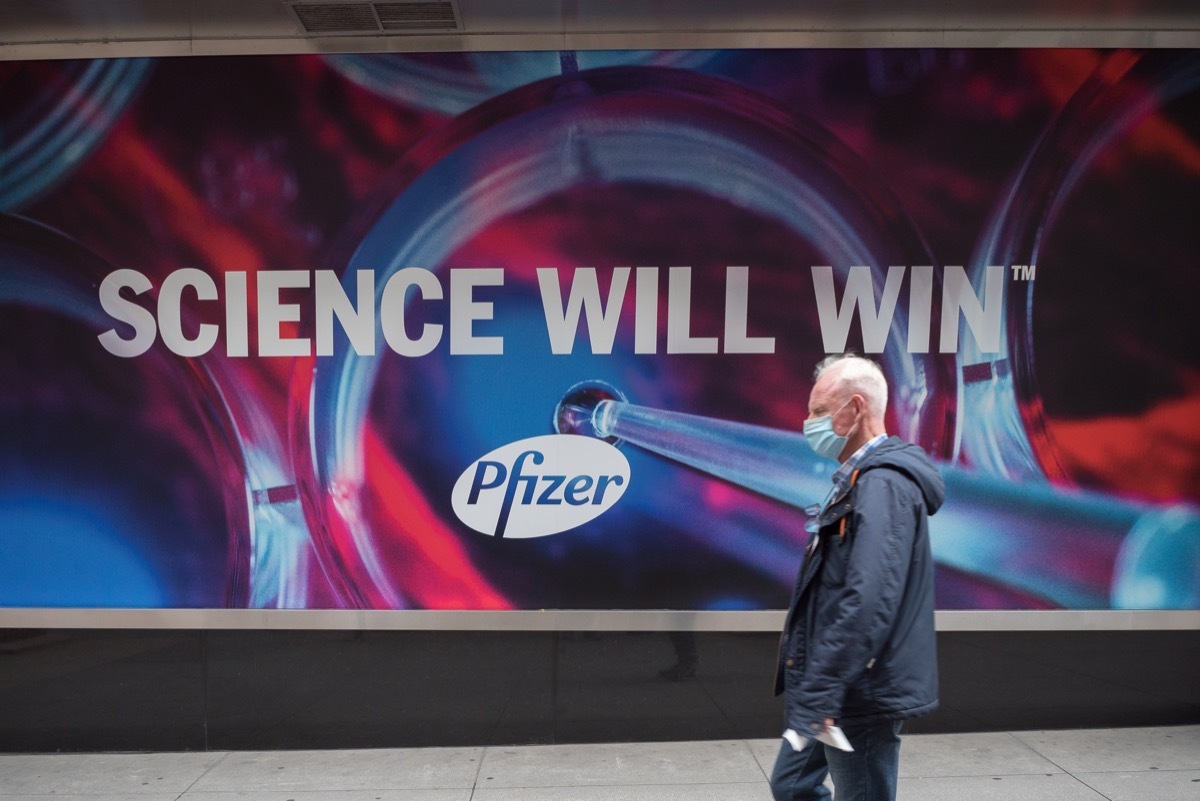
(858, 648)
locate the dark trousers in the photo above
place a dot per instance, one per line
(868, 773)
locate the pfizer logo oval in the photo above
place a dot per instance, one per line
(540, 486)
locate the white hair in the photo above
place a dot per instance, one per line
(856, 375)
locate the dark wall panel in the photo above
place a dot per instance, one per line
(89, 690)
(69, 690)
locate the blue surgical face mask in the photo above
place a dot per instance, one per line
(819, 434)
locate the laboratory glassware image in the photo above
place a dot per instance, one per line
(653, 249)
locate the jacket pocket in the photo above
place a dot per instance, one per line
(833, 569)
(835, 542)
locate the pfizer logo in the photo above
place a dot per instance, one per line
(540, 486)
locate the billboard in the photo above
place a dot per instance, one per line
(531, 330)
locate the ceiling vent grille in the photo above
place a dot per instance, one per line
(402, 16)
(417, 16)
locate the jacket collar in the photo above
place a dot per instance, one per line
(842, 476)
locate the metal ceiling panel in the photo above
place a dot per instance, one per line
(97, 28)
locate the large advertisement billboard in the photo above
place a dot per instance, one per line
(532, 330)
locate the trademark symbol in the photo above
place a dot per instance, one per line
(1024, 272)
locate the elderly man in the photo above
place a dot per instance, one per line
(858, 650)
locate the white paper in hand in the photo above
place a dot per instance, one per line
(795, 740)
(833, 736)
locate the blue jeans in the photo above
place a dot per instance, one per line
(868, 773)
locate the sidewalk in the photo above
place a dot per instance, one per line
(1159, 764)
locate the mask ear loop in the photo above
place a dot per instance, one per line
(857, 419)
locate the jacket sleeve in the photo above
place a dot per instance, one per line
(856, 609)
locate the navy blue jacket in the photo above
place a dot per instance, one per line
(859, 641)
